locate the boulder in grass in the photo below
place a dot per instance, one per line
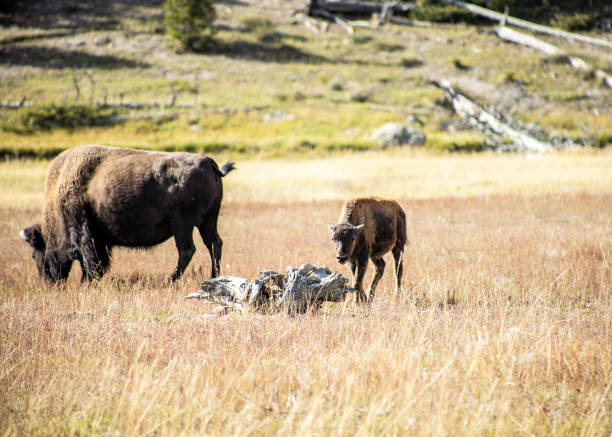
(396, 134)
(277, 116)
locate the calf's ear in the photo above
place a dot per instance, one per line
(332, 228)
(358, 228)
(33, 237)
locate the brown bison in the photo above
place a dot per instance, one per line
(369, 227)
(97, 197)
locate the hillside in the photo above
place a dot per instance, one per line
(105, 72)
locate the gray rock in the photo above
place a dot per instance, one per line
(277, 116)
(395, 134)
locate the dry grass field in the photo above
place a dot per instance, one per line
(504, 326)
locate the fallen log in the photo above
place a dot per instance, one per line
(489, 124)
(406, 22)
(359, 7)
(300, 289)
(496, 16)
(322, 13)
(508, 34)
(516, 37)
(14, 105)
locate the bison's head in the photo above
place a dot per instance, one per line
(344, 236)
(51, 265)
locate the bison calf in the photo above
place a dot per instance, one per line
(98, 197)
(369, 227)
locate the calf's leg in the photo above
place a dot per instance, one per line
(359, 269)
(379, 263)
(398, 266)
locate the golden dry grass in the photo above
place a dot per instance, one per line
(417, 175)
(503, 329)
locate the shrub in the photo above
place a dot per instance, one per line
(577, 21)
(190, 22)
(411, 62)
(603, 138)
(445, 14)
(48, 116)
(258, 25)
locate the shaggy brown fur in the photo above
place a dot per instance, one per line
(97, 197)
(369, 227)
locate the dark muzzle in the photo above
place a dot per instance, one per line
(341, 259)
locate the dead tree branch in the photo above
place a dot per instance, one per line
(322, 13)
(488, 123)
(360, 7)
(513, 36)
(300, 289)
(496, 16)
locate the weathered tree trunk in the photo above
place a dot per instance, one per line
(305, 287)
(406, 22)
(527, 24)
(358, 7)
(311, 285)
(323, 13)
(468, 109)
(508, 34)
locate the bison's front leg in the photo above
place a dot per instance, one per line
(359, 268)
(183, 239)
(379, 263)
(95, 255)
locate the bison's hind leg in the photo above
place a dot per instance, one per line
(213, 242)
(183, 239)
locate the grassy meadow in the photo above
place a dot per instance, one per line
(71, 66)
(504, 323)
(503, 327)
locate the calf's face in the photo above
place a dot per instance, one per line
(51, 266)
(344, 236)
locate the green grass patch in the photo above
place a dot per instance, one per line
(445, 14)
(333, 85)
(603, 138)
(575, 21)
(29, 152)
(456, 142)
(43, 117)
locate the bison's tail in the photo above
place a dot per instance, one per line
(227, 167)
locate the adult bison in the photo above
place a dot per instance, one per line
(97, 197)
(369, 227)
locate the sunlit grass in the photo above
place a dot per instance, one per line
(416, 175)
(503, 326)
(319, 79)
(503, 329)
(402, 174)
